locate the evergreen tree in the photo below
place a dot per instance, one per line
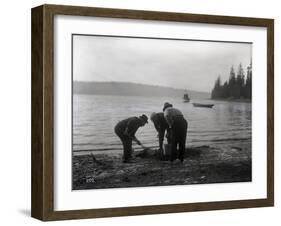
(231, 83)
(225, 90)
(248, 85)
(239, 84)
(236, 87)
(216, 92)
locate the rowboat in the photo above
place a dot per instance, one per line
(203, 105)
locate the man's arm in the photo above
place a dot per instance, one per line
(168, 117)
(157, 127)
(131, 129)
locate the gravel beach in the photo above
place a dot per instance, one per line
(220, 163)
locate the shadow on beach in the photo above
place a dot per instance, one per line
(219, 163)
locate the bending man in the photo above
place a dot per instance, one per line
(126, 130)
(161, 126)
(178, 127)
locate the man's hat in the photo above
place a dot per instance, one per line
(167, 105)
(144, 118)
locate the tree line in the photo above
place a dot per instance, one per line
(237, 87)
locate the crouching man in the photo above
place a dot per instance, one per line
(126, 130)
(178, 127)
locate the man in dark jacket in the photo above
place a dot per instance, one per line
(126, 130)
(178, 126)
(161, 126)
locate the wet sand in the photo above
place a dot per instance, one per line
(217, 163)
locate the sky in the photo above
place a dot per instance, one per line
(183, 64)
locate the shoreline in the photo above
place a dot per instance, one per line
(217, 163)
(234, 100)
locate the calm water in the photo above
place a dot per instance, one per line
(94, 118)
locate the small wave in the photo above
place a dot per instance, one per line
(223, 139)
(111, 149)
(233, 139)
(217, 131)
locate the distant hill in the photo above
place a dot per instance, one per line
(132, 89)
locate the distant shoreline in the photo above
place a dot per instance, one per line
(145, 96)
(133, 89)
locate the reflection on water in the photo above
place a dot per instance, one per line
(94, 118)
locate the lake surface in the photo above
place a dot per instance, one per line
(94, 118)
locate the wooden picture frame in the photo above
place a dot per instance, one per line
(42, 205)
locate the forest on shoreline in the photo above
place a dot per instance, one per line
(238, 86)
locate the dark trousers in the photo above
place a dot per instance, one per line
(127, 145)
(161, 135)
(178, 134)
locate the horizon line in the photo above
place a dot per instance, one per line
(87, 81)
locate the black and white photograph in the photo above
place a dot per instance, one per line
(160, 111)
